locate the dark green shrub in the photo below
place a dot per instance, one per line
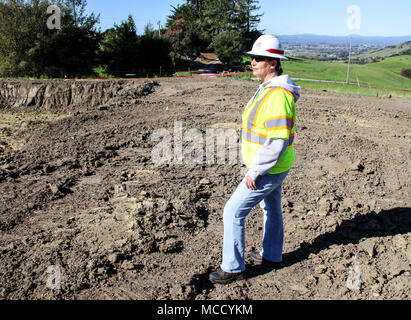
(406, 73)
(228, 45)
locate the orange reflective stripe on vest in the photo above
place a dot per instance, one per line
(269, 115)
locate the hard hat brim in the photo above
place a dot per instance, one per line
(266, 54)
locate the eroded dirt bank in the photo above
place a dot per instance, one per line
(81, 195)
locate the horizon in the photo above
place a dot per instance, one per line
(343, 36)
(342, 19)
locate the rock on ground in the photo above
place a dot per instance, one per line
(82, 198)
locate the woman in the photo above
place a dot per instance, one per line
(268, 152)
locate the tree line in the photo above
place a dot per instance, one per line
(30, 47)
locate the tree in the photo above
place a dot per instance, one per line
(217, 16)
(183, 31)
(203, 20)
(154, 54)
(245, 19)
(71, 52)
(28, 47)
(19, 30)
(119, 50)
(187, 12)
(229, 46)
(184, 39)
(196, 6)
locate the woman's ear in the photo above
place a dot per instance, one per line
(274, 64)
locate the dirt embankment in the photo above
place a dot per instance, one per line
(86, 214)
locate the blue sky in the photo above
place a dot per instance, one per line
(325, 17)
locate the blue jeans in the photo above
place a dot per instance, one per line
(268, 195)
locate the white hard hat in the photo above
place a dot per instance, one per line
(268, 46)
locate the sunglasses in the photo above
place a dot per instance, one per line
(259, 58)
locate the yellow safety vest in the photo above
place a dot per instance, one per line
(270, 115)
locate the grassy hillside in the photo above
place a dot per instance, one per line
(399, 49)
(375, 79)
(384, 74)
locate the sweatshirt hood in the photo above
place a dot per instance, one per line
(285, 82)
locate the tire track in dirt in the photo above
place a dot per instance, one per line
(80, 191)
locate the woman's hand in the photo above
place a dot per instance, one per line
(250, 183)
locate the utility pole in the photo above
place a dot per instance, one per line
(75, 14)
(349, 62)
(159, 29)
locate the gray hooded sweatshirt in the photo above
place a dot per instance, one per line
(273, 149)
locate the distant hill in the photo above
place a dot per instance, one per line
(342, 40)
(383, 74)
(327, 48)
(390, 51)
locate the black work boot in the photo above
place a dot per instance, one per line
(259, 260)
(223, 277)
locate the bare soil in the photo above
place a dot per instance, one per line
(80, 192)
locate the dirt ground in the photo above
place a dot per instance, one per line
(85, 213)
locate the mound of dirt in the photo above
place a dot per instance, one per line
(58, 96)
(86, 212)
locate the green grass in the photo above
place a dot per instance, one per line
(393, 64)
(350, 89)
(384, 74)
(399, 49)
(375, 79)
(353, 89)
(183, 74)
(101, 73)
